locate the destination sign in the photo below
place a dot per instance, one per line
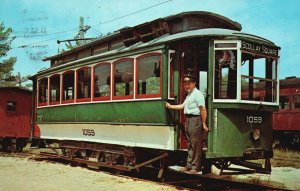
(259, 49)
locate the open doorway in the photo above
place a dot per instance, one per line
(192, 57)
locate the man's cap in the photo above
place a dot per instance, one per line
(189, 78)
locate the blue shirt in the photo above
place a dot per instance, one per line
(193, 101)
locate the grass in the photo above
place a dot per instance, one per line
(286, 158)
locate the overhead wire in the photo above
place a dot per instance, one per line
(133, 13)
(101, 23)
(97, 31)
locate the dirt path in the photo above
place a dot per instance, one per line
(24, 174)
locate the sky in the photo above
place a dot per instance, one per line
(39, 24)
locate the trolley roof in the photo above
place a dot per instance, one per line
(205, 33)
(186, 25)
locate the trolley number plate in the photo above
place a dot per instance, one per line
(88, 132)
(254, 119)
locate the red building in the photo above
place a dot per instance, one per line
(15, 108)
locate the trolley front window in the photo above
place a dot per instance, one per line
(225, 74)
(258, 78)
(245, 72)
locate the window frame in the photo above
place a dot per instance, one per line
(74, 85)
(171, 82)
(139, 96)
(130, 78)
(89, 99)
(38, 92)
(289, 101)
(238, 60)
(239, 76)
(228, 76)
(8, 110)
(272, 78)
(293, 103)
(54, 102)
(102, 98)
(123, 97)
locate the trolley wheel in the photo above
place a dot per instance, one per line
(207, 166)
(20, 144)
(6, 142)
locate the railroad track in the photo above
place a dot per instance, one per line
(19, 154)
(286, 159)
(171, 178)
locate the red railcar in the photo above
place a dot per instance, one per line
(286, 121)
(15, 108)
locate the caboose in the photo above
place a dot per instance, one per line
(104, 101)
(286, 120)
(15, 110)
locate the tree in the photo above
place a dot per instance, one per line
(6, 65)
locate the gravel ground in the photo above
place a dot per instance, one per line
(25, 174)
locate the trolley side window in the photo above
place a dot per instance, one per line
(149, 75)
(55, 89)
(225, 74)
(68, 86)
(102, 81)
(43, 91)
(123, 79)
(84, 83)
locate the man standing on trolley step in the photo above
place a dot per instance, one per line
(195, 123)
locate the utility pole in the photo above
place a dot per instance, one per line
(79, 38)
(81, 31)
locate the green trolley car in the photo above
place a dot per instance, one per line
(104, 101)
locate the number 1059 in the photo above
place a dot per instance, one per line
(254, 119)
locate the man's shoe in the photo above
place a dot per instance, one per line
(184, 169)
(193, 171)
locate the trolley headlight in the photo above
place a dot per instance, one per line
(256, 134)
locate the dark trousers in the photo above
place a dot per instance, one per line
(194, 134)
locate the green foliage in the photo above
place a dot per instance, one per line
(5, 40)
(153, 85)
(6, 67)
(7, 64)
